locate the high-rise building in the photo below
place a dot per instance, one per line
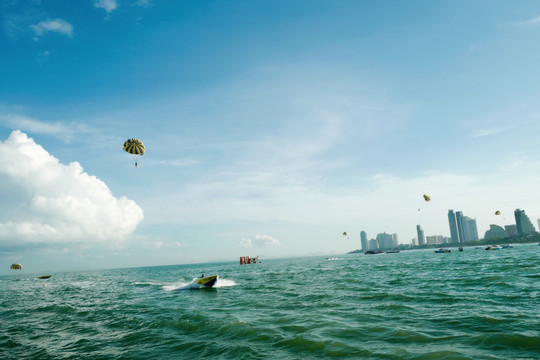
(421, 237)
(466, 229)
(523, 223)
(434, 239)
(470, 231)
(395, 240)
(459, 218)
(453, 227)
(373, 245)
(385, 241)
(363, 240)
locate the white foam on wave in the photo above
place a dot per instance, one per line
(225, 283)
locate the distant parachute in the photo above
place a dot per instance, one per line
(427, 198)
(16, 267)
(134, 146)
(344, 233)
(497, 212)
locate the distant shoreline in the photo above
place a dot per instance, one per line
(526, 239)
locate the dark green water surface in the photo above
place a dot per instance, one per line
(475, 304)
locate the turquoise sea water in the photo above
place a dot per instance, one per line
(475, 304)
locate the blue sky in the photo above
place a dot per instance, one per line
(271, 126)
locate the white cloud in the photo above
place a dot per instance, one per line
(56, 25)
(47, 202)
(259, 241)
(108, 5)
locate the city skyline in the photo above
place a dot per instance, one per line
(463, 226)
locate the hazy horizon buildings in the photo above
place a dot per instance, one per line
(364, 240)
(462, 228)
(452, 221)
(385, 241)
(523, 223)
(421, 237)
(511, 230)
(494, 232)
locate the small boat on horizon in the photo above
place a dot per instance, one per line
(44, 277)
(443, 251)
(373, 252)
(493, 247)
(506, 246)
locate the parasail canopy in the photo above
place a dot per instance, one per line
(427, 197)
(16, 266)
(134, 146)
(497, 212)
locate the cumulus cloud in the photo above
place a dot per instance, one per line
(45, 201)
(56, 25)
(108, 5)
(259, 241)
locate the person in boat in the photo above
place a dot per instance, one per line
(202, 276)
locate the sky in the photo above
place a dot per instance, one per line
(270, 127)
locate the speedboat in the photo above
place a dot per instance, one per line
(506, 246)
(493, 247)
(207, 281)
(44, 277)
(443, 251)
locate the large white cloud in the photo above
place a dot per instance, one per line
(44, 201)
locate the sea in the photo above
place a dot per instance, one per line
(416, 304)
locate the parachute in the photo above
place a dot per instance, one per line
(427, 198)
(134, 146)
(497, 212)
(16, 267)
(344, 233)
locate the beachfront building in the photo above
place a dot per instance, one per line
(466, 229)
(364, 240)
(523, 223)
(470, 231)
(385, 241)
(421, 236)
(434, 239)
(511, 230)
(395, 240)
(495, 232)
(373, 245)
(452, 221)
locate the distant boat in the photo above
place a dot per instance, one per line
(506, 246)
(460, 249)
(373, 252)
(442, 251)
(493, 247)
(44, 277)
(392, 252)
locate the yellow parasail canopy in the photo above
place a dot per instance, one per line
(427, 197)
(16, 266)
(134, 146)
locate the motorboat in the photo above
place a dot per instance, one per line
(443, 251)
(493, 247)
(207, 281)
(506, 246)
